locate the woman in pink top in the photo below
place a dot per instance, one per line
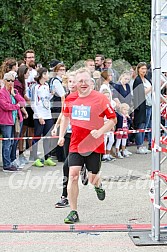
(10, 104)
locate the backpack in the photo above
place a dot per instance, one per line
(56, 100)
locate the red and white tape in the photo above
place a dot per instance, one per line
(157, 148)
(29, 138)
(152, 190)
(122, 132)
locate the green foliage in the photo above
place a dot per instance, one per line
(73, 30)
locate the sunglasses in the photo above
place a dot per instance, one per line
(10, 80)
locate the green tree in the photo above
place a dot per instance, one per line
(72, 30)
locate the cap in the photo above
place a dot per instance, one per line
(53, 63)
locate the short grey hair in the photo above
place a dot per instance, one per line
(83, 70)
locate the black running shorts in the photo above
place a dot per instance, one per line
(92, 161)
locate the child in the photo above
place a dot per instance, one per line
(109, 136)
(122, 125)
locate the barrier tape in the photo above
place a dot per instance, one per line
(121, 132)
(163, 140)
(157, 148)
(152, 190)
(160, 174)
(29, 138)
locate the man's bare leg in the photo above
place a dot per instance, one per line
(94, 179)
(73, 189)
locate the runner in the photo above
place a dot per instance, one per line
(63, 202)
(86, 115)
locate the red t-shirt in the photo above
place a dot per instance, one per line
(86, 114)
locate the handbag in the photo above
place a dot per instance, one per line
(17, 125)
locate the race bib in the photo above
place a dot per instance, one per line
(69, 129)
(81, 112)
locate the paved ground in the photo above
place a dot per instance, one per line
(29, 197)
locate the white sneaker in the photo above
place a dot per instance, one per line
(118, 155)
(146, 150)
(126, 152)
(112, 158)
(105, 159)
(17, 164)
(141, 150)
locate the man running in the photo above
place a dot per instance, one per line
(85, 110)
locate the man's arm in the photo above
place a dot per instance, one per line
(105, 128)
(63, 126)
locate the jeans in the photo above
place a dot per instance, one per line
(139, 137)
(7, 132)
(15, 143)
(148, 122)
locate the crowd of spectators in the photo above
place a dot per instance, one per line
(31, 97)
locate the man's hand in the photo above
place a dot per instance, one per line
(95, 133)
(61, 141)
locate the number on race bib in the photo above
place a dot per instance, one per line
(81, 112)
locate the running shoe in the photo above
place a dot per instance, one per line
(100, 192)
(84, 176)
(72, 218)
(63, 202)
(49, 162)
(38, 163)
